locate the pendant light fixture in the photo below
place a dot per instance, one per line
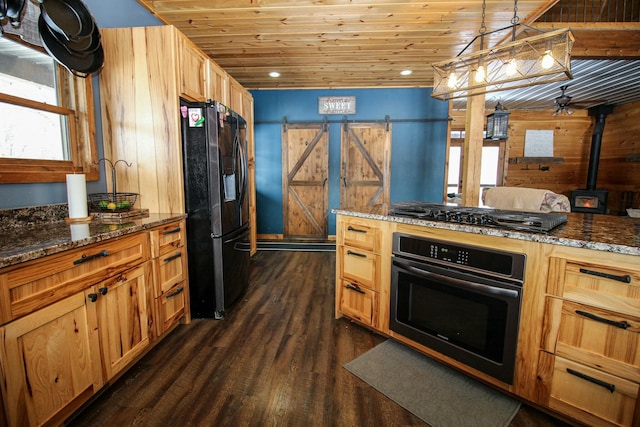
(534, 60)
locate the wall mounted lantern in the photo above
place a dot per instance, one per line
(498, 123)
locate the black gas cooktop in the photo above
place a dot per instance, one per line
(488, 217)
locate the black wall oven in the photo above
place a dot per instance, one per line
(460, 300)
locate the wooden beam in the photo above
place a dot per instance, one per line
(602, 41)
(473, 150)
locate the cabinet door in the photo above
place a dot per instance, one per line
(192, 72)
(358, 302)
(360, 266)
(50, 362)
(360, 233)
(592, 396)
(122, 307)
(217, 83)
(171, 307)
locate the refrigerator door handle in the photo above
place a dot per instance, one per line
(243, 169)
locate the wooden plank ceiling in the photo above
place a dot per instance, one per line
(367, 43)
(337, 43)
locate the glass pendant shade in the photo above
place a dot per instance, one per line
(534, 60)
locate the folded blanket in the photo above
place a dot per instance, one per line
(526, 199)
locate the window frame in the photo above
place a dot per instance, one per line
(502, 147)
(77, 98)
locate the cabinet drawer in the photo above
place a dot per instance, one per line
(358, 302)
(167, 238)
(594, 337)
(360, 266)
(601, 286)
(35, 284)
(588, 394)
(360, 234)
(170, 269)
(170, 307)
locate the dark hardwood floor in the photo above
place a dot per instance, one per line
(275, 360)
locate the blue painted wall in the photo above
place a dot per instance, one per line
(107, 14)
(418, 147)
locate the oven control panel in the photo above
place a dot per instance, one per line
(449, 254)
(487, 260)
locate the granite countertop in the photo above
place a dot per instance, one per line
(31, 240)
(608, 233)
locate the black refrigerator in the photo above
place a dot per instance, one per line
(214, 141)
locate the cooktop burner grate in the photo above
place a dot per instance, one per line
(497, 218)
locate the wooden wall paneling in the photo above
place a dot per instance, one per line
(571, 142)
(620, 140)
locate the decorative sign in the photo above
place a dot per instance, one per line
(336, 105)
(538, 143)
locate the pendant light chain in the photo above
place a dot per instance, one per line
(515, 18)
(483, 27)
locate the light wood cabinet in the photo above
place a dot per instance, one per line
(76, 319)
(193, 71)
(149, 68)
(50, 362)
(217, 83)
(170, 271)
(358, 269)
(122, 309)
(236, 95)
(29, 286)
(590, 361)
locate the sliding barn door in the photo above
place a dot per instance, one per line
(305, 158)
(365, 164)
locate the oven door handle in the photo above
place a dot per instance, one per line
(480, 287)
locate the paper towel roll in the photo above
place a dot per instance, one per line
(79, 231)
(77, 195)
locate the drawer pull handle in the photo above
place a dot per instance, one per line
(625, 279)
(177, 292)
(103, 291)
(621, 325)
(86, 258)
(357, 230)
(349, 252)
(92, 297)
(172, 257)
(175, 230)
(355, 288)
(608, 386)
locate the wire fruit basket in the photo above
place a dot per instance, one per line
(111, 202)
(114, 201)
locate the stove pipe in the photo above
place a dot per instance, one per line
(600, 113)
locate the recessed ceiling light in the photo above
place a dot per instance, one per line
(405, 72)
(274, 74)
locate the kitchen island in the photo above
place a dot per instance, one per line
(579, 317)
(80, 303)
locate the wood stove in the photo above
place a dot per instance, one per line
(590, 199)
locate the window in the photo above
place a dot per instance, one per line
(491, 169)
(47, 114)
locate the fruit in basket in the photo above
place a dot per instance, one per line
(103, 204)
(123, 204)
(111, 206)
